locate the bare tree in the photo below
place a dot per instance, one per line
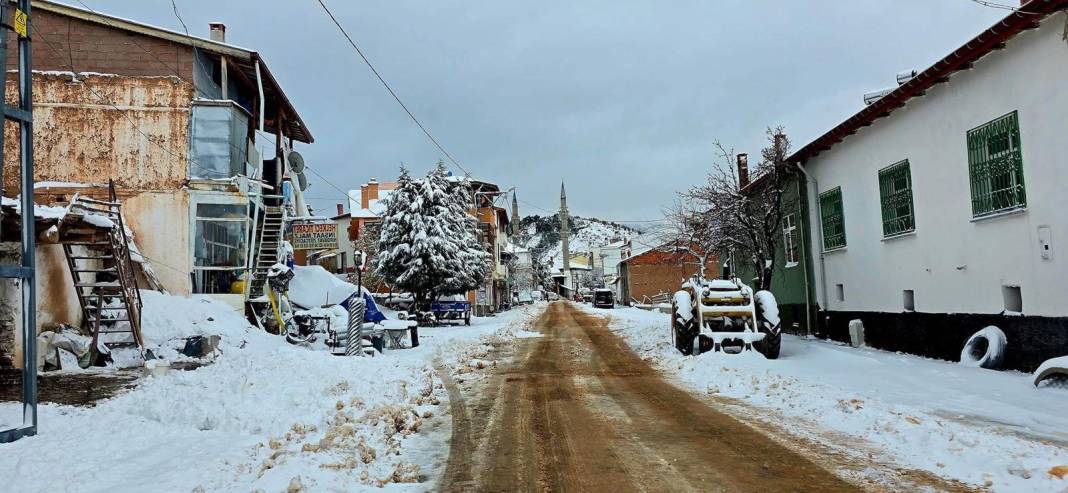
(739, 217)
(685, 231)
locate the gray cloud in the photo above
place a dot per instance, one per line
(622, 99)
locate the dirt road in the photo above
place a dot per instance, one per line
(578, 411)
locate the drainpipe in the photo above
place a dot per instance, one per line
(808, 296)
(259, 87)
(823, 268)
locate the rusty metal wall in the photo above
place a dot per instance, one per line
(134, 130)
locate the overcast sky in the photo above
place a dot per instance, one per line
(621, 99)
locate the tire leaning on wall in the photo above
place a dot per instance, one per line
(985, 349)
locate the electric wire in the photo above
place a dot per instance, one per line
(390, 89)
(1001, 6)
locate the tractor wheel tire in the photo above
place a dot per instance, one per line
(683, 333)
(771, 345)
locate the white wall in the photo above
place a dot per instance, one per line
(953, 263)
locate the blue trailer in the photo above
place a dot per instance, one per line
(453, 309)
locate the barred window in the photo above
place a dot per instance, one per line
(832, 218)
(895, 194)
(995, 166)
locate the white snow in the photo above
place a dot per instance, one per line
(264, 414)
(981, 427)
(314, 286)
(769, 308)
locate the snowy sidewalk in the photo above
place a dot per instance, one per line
(981, 427)
(264, 414)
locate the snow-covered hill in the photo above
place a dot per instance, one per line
(541, 234)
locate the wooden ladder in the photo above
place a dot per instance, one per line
(104, 278)
(269, 248)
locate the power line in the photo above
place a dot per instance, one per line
(1001, 6)
(390, 89)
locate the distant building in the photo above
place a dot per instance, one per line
(655, 274)
(367, 205)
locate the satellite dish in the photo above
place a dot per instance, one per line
(296, 161)
(302, 181)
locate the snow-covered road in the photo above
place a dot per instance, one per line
(983, 428)
(265, 415)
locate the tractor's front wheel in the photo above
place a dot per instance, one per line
(684, 328)
(772, 342)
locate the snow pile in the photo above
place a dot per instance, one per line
(313, 287)
(265, 415)
(984, 428)
(166, 318)
(769, 308)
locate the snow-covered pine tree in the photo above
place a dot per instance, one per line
(471, 253)
(424, 248)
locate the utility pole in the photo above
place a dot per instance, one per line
(17, 18)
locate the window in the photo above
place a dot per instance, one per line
(218, 140)
(220, 247)
(833, 219)
(895, 193)
(908, 297)
(995, 166)
(789, 242)
(840, 291)
(1013, 299)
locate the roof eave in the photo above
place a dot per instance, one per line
(1030, 14)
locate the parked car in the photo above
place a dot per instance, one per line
(587, 296)
(537, 295)
(453, 309)
(525, 298)
(552, 296)
(604, 298)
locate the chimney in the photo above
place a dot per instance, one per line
(743, 170)
(341, 209)
(218, 31)
(368, 192)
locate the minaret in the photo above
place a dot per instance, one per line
(515, 215)
(565, 231)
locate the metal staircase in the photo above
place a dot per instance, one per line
(104, 277)
(268, 249)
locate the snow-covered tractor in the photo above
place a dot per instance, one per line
(724, 315)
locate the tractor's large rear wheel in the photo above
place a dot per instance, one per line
(684, 323)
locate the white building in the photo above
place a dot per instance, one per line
(935, 210)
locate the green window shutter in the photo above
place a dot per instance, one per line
(995, 166)
(833, 219)
(895, 194)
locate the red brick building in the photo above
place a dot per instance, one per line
(659, 272)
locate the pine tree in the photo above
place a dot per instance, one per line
(426, 246)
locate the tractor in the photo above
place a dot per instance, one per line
(724, 315)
